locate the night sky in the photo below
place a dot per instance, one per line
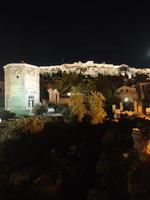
(45, 34)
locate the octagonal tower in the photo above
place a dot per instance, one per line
(21, 87)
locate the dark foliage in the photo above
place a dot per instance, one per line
(6, 115)
(67, 161)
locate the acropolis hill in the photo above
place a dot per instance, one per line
(22, 85)
(88, 68)
(93, 69)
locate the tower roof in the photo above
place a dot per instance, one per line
(19, 65)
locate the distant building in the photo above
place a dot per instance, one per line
(127, 93)
(136, 96)
(139, 92)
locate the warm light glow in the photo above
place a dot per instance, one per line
(147, 148)
(69, 94)
(126, 99)
(136, 131)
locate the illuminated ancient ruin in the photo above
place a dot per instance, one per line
(22, 80)
(21, 87)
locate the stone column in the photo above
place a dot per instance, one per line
(113, 108)
(51, 96)
(135, 106)
(57, 97)
(139, 109)
(121, 106)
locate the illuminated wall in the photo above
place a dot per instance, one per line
(21, 87)
(127, 93)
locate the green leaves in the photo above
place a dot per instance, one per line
(77, 104)
(91, 105)
(96, 111)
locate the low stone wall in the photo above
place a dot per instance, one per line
(64, 100)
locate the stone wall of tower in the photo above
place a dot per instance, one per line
(32, 88)
(21, 87)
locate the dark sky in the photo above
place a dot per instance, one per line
(45, 34)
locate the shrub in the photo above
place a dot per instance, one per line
(34, 124)
(6, 115)
(28, 125)
(39, 109)
(58, 107)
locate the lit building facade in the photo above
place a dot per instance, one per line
(139, 92)
(21, 87)
(126, 93)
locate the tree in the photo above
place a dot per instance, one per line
(96, 111)
(58, 84)
(43, 86)
(77, 104)
(92, 105)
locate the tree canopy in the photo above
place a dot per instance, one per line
(92, 105)
(96, 110)
(77, 104)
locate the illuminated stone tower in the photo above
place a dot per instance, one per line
(21, 87)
